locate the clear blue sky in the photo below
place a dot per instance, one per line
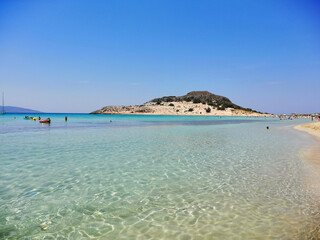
(78, 56)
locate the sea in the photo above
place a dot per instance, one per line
(156, 177)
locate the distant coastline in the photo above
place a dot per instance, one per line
(12, 109)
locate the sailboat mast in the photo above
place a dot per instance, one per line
(2, 102)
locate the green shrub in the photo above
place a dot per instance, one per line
(158, 102)
(210, 103)
(196, 100)
(190, 110)
(228, 105)
(221, 108)
(208, 110)
(169, 99)
(171, 105)
(225, 99)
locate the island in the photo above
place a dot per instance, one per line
(193, 103)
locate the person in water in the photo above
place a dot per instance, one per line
(65, 118)
(267, 127)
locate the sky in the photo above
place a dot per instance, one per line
(81, 55)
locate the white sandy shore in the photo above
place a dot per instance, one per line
(311, 128)
(312, 157)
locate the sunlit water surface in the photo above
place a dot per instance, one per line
(154, 177)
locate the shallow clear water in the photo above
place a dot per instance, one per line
(160, 177)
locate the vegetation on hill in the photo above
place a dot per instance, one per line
(205, 97)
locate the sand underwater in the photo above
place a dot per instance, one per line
(156, 177)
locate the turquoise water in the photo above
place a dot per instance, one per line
(154, 177)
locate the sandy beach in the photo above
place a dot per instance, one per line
(311, 128)
(312, 157)
(312, 153)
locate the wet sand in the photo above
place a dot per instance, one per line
(311, 128)
(312, 157)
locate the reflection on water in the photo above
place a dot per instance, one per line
(175, 180)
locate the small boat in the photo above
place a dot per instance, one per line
(48, 120)
(28, 118)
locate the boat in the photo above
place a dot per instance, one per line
(29, 118)
(48, 120)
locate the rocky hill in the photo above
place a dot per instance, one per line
(204, 97)
(193, 103)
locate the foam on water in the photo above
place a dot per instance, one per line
(154, 177)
